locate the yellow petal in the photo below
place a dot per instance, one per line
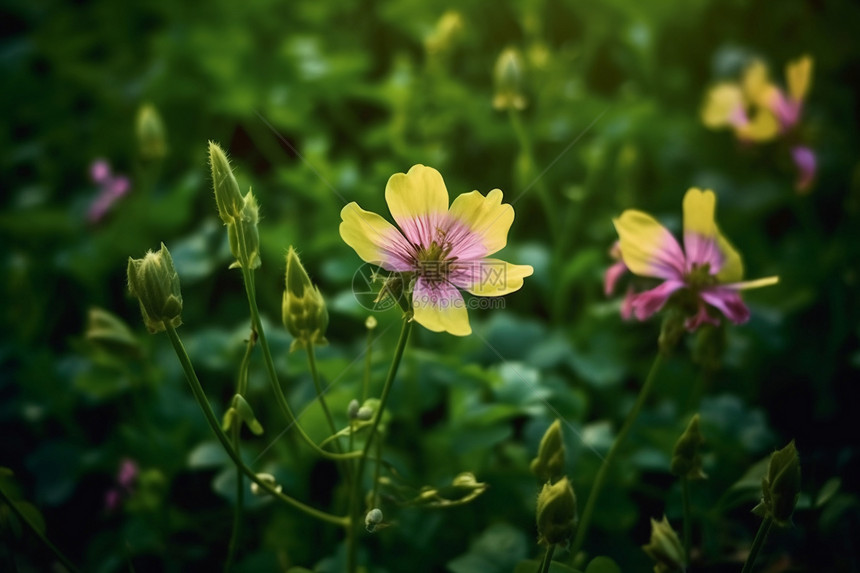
(647, 247)
(762, 127)
(420, 192)
(722, 100)
(440, 307)
(487, 220)
(755, 81)
(757, 283)
(798, 76)
(703, 241)
(492, 277)
(374, 239)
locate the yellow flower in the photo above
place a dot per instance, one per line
(440, 248)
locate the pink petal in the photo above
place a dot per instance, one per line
(728, 302)
(425, 229)
(100, 171)
(610, 278)
(647, 303)
(701, 317)
(806, 163)
(627, 303)
(701, 250)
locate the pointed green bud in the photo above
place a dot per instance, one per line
(153, 280)
(448, 31)
(265, 478)
(151, 135)
(665, 548)
(109, 332)
(303, 310)
(372, 520)
(246, 414)
(229, 419)
(508, 74)
(244, 236)
(549, 463)
(780, 488)
(686, 459)
(227, 195)
(556, 513)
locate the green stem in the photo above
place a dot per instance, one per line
(528, 152)
(241, 388)
(366, 382)
(688, 524)
(585, 521)
(547, 559)
(54, 549)
(200, 396)
(273, 375)
(763, 530)
(351, 536)
(312, 365)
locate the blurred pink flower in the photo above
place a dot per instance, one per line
(706, 273)
(806, 163)
(111, 189)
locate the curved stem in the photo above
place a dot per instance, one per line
(273, 375)
(547, 559)
(763, 530)
(585, 521)
(352, 563)
(365, 390)
(688, 525)
(200, 396)
(312, 365)
(22, 517)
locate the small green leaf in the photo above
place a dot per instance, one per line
(828, 490)
(602, 565)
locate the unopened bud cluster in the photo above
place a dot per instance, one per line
(557, 515)
(549, 463)
(151, 135)
(508, 73)
(153, 280)
(686, 459)
(240, 214)
(303, 309)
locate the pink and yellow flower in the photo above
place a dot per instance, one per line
(758, 111)
(706, 274)
(442, 248)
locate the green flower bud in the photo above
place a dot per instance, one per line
(780, 488)
(364, 413)
(508, 75)
(373, 519)
(244, 236)
(303, 309)
(549, 463)
(370, 323)
(229, 419)
(448, 31)
(227, 196)
(151, 138)
(153, 280)
(556, 513)
(686, 460)
(268, 479)
(352, 409)
(246, 414)
(665, 548)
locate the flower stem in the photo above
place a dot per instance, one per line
(528, 152)
(25, 519)
(763, 530)
(351, 537)
(547, 559)
(585, 520)
(200, 396)
(273, 375)
(688, 525)
(312, 365)
(367, 363)
(241, 388)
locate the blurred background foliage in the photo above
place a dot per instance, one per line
(318, 103)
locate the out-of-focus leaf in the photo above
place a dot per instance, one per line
(827, 491)
(602, 565)
(499, 548)
(208, 455)
(532, 565)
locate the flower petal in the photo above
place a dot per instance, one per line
(647, 303)
(439, 306)
(728, 302)
(490, 277)
(804, 158)
(757, 283)
(703, 242)
(647, 247)
(755, 82)
(763, 126)
(610, 278)
(374, 239)
(418, 201)
(479, 225)
(798, 75)
(722, 105)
